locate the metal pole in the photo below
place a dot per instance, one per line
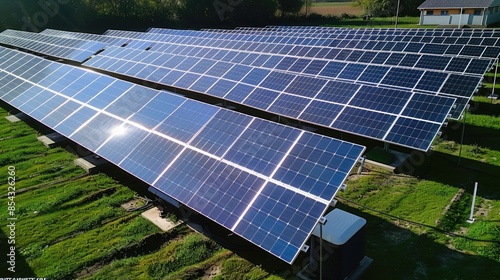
(460, 18)
(320, 251)
(471, 218)
(397, 14)
(494, 81)
(463, 132)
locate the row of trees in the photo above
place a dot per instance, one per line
(92, 14)
(384, 8)
(95, 15)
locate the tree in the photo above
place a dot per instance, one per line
(254, 12)
(214, 12)
(199, 12)
(290, 6)
(385, 8)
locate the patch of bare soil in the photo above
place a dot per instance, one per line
(455, 198)
(212, 272)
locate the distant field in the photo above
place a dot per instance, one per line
(336, 8)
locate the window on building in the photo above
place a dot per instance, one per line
(495, 9)
(477, 12)
(444, 12)
(430, 13)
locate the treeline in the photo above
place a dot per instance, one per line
(100, 15)
(386, 8)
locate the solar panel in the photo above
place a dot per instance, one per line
(264, 181)
(67, 48)
(428, 61)
(158, 43)
(350, 73)
(342, 40)
(273, 91)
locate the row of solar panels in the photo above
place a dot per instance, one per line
(361, 42)
(264, 181)
(333, 34)
(448, 32)
(362, 110)
(432, 81)
(465, 65)
(67, 48)
(464, 40)
(461, 87)
(440, 46)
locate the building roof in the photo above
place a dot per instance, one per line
(429, 4)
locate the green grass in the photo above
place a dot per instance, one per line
(417, 200)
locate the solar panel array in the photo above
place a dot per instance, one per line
(165, 43)
(71, 49)
(318, 111)
(269, 68)
(357, 66)
(403, 34)
(267, 182)
(359, 41)
(435, 32)
(462, 87)
(409, 119)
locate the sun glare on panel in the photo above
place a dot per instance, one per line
(118, 130)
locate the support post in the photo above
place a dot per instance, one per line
(460, 18)
(463, 132)
(397, 14)
(386, 146)
(492, 96)
(471, 218)
(482, 19)
(320, 251)
(322, 221)
(362, 163)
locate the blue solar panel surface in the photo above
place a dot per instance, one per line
(273, 91)
(68, 48)
(264, 181)
(460, 65)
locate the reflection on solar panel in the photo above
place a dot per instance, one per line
(264, 181)
(278, 92)
(67, 48)
(452, 64)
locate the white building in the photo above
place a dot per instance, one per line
(460, 12)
